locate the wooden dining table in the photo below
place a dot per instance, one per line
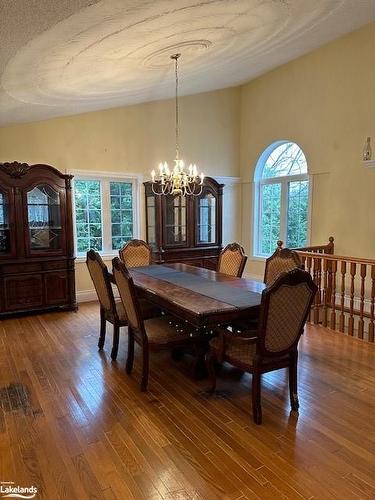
(199, 296)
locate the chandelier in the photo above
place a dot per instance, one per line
(177, 180)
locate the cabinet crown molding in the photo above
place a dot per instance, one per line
(15, 169)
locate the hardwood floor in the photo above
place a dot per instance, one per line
(76, 426)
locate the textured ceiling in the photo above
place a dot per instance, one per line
(60, 57)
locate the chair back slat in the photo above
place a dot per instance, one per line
(128, 294)
(232, 260)
(284, 310)
(136, 253)
(281, 261)
(100, 277)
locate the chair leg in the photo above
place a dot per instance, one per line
(210, 363)
(256, 394)
(294, 403)
(145, 367)
(103, 324)
(130, 358)
(116, 337)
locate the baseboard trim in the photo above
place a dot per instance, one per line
(86, 296)
(90, 295)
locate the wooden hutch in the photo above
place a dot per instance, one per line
(36, 239)
(186, 228)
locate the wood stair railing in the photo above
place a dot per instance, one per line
(345, 300)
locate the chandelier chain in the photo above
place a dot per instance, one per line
(175, 57)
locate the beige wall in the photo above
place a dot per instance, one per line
(324, 101)
(135, 139)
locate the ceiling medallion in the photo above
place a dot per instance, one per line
(190, 48)
(177, 181)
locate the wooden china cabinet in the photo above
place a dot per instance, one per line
(186, 228)
(36, 239)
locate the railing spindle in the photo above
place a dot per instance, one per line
(333, 294)
(325, 290)
(372, 306)
(353, 267)
(317, 280)
(361, 322)
(342, 313)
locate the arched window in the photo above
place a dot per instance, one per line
(281, 201)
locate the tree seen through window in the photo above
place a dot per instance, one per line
(282, 198)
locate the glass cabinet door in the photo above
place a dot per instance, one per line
(5, 241)
(44, 219)
(175, 220)
(151, 220)
(206, 219)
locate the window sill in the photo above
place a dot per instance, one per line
(105, 256)
(258, 258)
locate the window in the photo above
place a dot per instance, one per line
(104, 213)
(281, 201)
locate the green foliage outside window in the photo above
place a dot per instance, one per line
(88, 215)
(121, 213)
(283, 199)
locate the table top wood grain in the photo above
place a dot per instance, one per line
(197, 308)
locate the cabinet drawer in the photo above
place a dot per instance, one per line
(55, 264)
(21, 268)
(23, 292)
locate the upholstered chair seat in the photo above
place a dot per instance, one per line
(165, 330)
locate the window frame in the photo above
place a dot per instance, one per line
(105, 178)
(259, 182)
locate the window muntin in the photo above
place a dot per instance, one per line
(281, 204)
(121, 213)
(297, 218)
(88, 211)
(286, 159)
(104, 214)
(270, 217)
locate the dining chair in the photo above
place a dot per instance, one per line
(284, 309)
(282, 260)
(111, 310)
(136, 253)
(232, 260)
(156, 334)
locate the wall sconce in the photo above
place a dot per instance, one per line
(367, 154)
